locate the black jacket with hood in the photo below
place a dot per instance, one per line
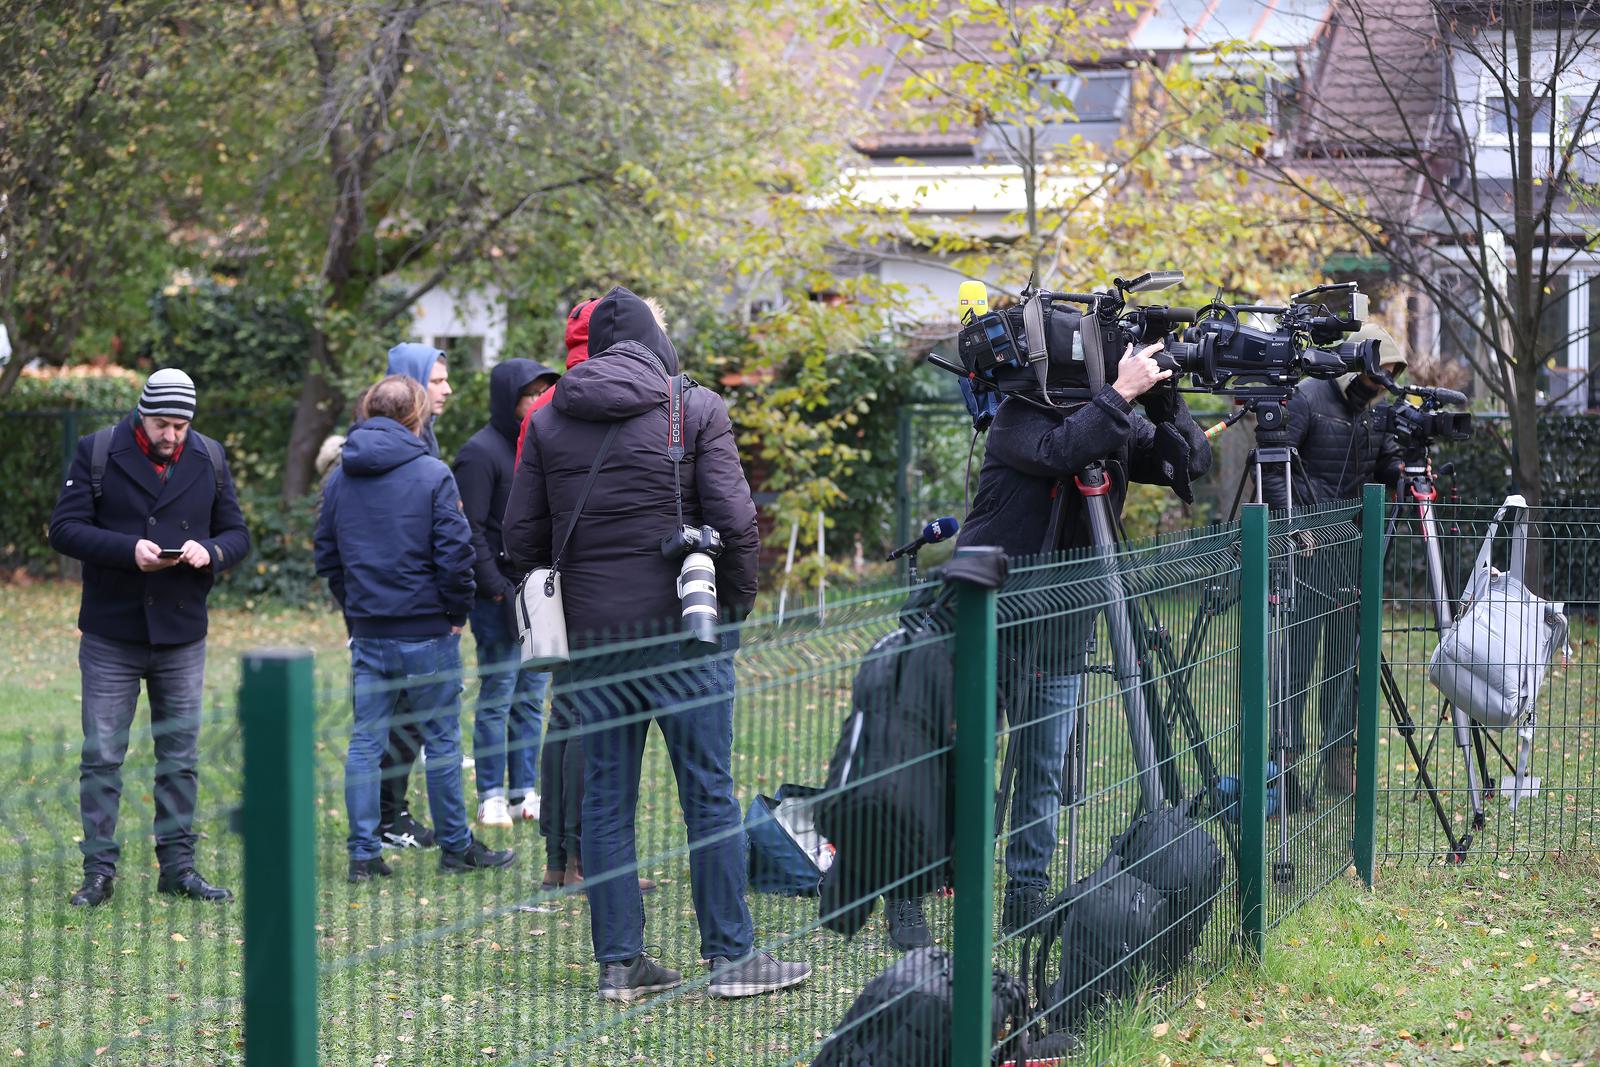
(1035, 454)
(391, 539)
(483, 471)
(1330, 426)
(614, 577)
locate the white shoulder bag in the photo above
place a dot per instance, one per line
(541, 619)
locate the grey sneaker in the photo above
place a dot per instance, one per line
(629, 980)
(757, 973)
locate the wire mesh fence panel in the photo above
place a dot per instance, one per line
(1314, 590)
(1119, 677)
(1449, 784)
(146, 976)
(683, 759)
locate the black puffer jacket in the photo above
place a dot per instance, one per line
(614, 577)
(1340, 450)
(483, 471)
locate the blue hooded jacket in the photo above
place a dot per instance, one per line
(416, 361)
(392, 540)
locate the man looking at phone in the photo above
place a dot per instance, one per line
(150, 509)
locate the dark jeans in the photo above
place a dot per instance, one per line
(174, 678)
(509, 718)
(427, 671)
(691, 701)
(1325, 615)
(561, 804)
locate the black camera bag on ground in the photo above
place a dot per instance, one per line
(1177, 856)
(1106, 928)
(1142, 912)
(903, 1017)
(886, 805)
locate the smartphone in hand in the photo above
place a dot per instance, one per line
(170, 553)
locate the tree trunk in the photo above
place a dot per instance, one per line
(316, 414)
(1524, 413)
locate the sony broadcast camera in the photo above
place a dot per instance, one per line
(1417, 419)
(695, 550)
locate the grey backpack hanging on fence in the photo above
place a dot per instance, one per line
(1493, 659)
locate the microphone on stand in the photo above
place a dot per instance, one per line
(937, 530)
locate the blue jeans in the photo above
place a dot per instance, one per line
(691, 702)
(427, 671)
(174, 678)
(1040, 736)
(509, 720)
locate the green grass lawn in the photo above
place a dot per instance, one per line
(430, 969)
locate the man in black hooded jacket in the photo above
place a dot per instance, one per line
(510, 714)
(616, 580)
(1034, 454)
(1330, 427)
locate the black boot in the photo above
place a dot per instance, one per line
(96, 889)
(188, 883)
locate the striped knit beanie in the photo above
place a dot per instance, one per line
(169, 392)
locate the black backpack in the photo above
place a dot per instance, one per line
(903, 1016)
(886, 806)
(1099, 938)
(1177, 856)
(1140, 914)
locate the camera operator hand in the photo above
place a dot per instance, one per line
(1138, 372)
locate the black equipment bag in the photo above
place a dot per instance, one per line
(1142, 912)
(1106, 929)
(886, 805)
(1177, 856)
(903, 1017)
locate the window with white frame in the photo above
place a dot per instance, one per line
(1093, 95)
(1572, 114)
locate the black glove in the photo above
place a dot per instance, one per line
(1173, 450)
(1161, 401)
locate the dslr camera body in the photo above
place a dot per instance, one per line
(695, 549)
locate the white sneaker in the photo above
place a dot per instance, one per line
(467, 762)
(494, 812)
(528, 810)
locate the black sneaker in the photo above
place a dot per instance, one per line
(908, 929)
(477, 857)
(1023, 908)
(757, 973)
(405, 832)
(629, 980)
(364, 870)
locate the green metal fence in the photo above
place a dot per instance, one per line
(430, 967)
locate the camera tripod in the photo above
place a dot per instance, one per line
(1138, 640)
(1416, 499)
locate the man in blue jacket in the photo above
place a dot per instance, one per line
(425, 365)
(397, 553)
(510, 712)
(149, 508)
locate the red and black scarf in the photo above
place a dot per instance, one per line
(163, 466)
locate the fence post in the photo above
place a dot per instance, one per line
(972, 853)
(1253, 696)
(276, 713)
(1368, 662)
(69, 440)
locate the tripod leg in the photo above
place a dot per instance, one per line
(1408, 733)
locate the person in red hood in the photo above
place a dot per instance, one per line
(577, 352)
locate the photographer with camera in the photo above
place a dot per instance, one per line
(1034, 455)
(1341, 447)
(646, 461)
